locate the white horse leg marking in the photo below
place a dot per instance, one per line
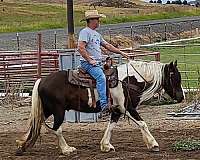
(118, 99)
(183, 91)
(147, 136)
(105, 142)
(90, 96)
(118, 95)
(65, 148)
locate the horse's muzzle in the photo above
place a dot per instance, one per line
(179, 96)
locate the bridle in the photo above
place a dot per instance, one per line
(171, 84)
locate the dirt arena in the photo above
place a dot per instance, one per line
(126, 138)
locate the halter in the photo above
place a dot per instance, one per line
(170, 82)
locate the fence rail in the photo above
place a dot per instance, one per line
(21, 68)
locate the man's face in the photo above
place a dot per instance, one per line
(95, 22)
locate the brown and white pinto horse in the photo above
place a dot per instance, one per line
(54, 94)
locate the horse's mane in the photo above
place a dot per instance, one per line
(152, 72)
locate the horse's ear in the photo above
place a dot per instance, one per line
(175, 63)
(171, 65)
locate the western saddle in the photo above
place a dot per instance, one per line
(81, 78)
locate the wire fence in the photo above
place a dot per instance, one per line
(187, 53)
(141, 34)
(156, 32)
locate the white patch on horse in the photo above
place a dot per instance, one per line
(90, 96)
(183, 92)
(118, 96)
(66, 149)
(105, 142)
(147, 136)
(152, 72)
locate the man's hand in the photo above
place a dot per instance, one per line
(111, 48)
(125, 55)
(93, 62)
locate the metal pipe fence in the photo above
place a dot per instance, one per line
(20, 69)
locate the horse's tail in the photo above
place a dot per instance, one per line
(36, 119)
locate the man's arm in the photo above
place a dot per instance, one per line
(84, 53)
(104, 51)
(111, 48)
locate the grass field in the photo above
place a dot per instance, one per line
(18, 16)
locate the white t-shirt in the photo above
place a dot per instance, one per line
(93, 42)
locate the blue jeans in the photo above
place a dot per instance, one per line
(97, 73)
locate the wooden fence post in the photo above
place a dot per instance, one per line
(39, 67)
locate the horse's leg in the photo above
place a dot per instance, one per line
(118, 99)
(105, 142)
(147, 136)
(57, 130)
(66, 149)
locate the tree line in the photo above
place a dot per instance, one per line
(184, 2)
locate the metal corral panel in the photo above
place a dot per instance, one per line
(70, 59)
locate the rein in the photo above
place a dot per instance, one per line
(127, 87)
(132, 87)
(146, 82)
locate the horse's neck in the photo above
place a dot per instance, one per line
(156, 86)
(141, 70)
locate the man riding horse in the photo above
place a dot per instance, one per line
(55, 94)
(89, 46)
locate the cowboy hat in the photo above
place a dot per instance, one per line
(93, 14)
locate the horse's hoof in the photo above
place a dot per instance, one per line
(107, 148)
(112, 149)
(68, 150)
(19, 151)
(155, 149)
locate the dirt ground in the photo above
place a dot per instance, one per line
(126, 137)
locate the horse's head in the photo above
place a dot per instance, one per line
(172, 82)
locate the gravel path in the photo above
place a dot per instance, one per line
(28, 40)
